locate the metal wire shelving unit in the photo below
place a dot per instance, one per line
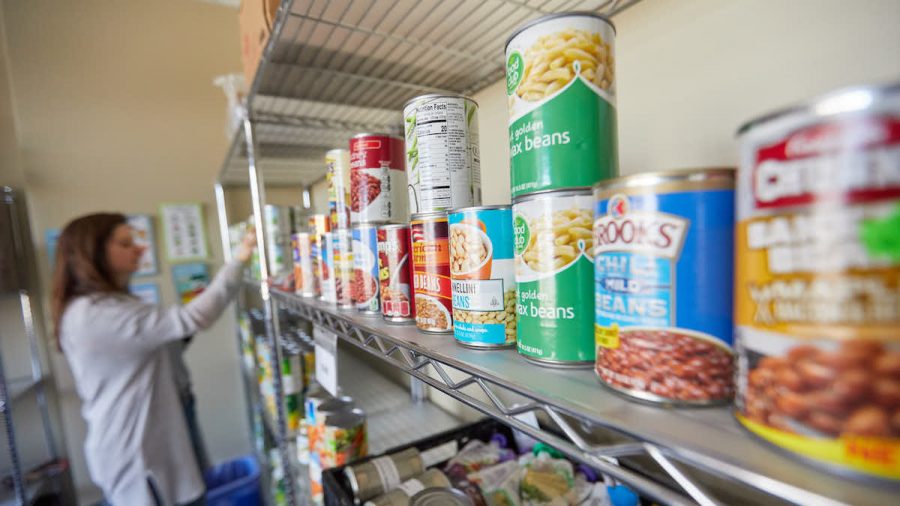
(332, 69)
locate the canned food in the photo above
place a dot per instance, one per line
(443, 165)
(338, 178)
(318, 224)
(292, 385)
(342, 241)
(431, 272)
(377, 179)
(304, 281)
(395, 273)
(661, 242)
(364, 289)
(401, 495)
(817, 319)
(321, 410)
(278, 236)
(381, 474)
(441, 497)
(560, 81)
(327, 288)
(554, 271)
(484, 284)
(343, 438)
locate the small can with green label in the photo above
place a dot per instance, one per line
(554, 267)
(560, 82)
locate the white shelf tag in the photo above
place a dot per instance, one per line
(326, 359)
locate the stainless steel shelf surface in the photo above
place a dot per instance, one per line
(681, 441)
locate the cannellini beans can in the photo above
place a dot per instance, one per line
(431, 272)
(484, 281)
(560, 84)
(327, 292)
(342, 241)
(663, 268)
(365, 269)
(337, 162)
(817, 265)
(304, 278)
(377, 179)
(443, 164)
(395, 273)
(554, 266)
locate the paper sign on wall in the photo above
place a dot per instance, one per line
(326, 359)
(185, 233)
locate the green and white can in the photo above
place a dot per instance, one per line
(554, 267)
(560, 82)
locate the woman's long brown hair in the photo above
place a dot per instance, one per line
(80, 264)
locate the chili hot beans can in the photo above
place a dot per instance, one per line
(554, 268)
(663, 255)
(327, 288)
(395, 273)
(431, 272)
(337, 175)
(304, 279)
(484, 285)
(365, 269)
(342, 241)
(817, 285)
(560, 82)
(377, 179)
(443, 165)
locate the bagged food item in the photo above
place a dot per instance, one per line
(547, 480)
(500, 484)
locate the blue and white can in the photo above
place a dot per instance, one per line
(482, 273)
(663, 268)
(365, 284)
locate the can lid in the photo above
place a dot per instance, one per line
(335, 405)
(644, 179)
(840, 101)
(479, 208)
(558, 192)
(346, 419)
(376, 134)
(368, 224)
(337, 150)
(555, 15)
(431, 96)
(440, 497)
(430, 214)
(350, 474)
(391, 226)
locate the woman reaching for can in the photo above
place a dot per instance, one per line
(137, 448)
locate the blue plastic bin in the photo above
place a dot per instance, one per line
(233, 483)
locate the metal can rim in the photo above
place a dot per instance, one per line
(367, 224)
(391, 226)
(350, 474)
(429, 494)
(332, 150)
(643, 179)
(812, 105)
(429, 214)
(478, 208)
(555, 15)
(377, 134)
(438, 95)
(573, 191)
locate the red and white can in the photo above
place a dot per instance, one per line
(304, 276)
(377, 179)
(432, 286)
(395, 273)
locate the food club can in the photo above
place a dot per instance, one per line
(554, 267)
(395, 273)
(431, 272)
(484, 284)
(817, 318)
(443, 165)
(560, 83)
(364, 289)
(663, 268)
(304, 279)
(337, 163)
(327, 288)
(342, 244)
(377, 179)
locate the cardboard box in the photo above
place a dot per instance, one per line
(256, 18)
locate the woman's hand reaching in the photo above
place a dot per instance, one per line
(245, 249)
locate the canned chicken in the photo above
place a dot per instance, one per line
(337, 162)
(431, 272)
(481, 267)
(342, 241)
(381, 474)
(395, 273)
(304, 281)
(377, 179)
(817, 318)
(443, 165)
(662, 241)
(554, 269)
(560, 80)
(364, 289)
(327, 287)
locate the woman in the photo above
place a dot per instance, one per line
(138, 449)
